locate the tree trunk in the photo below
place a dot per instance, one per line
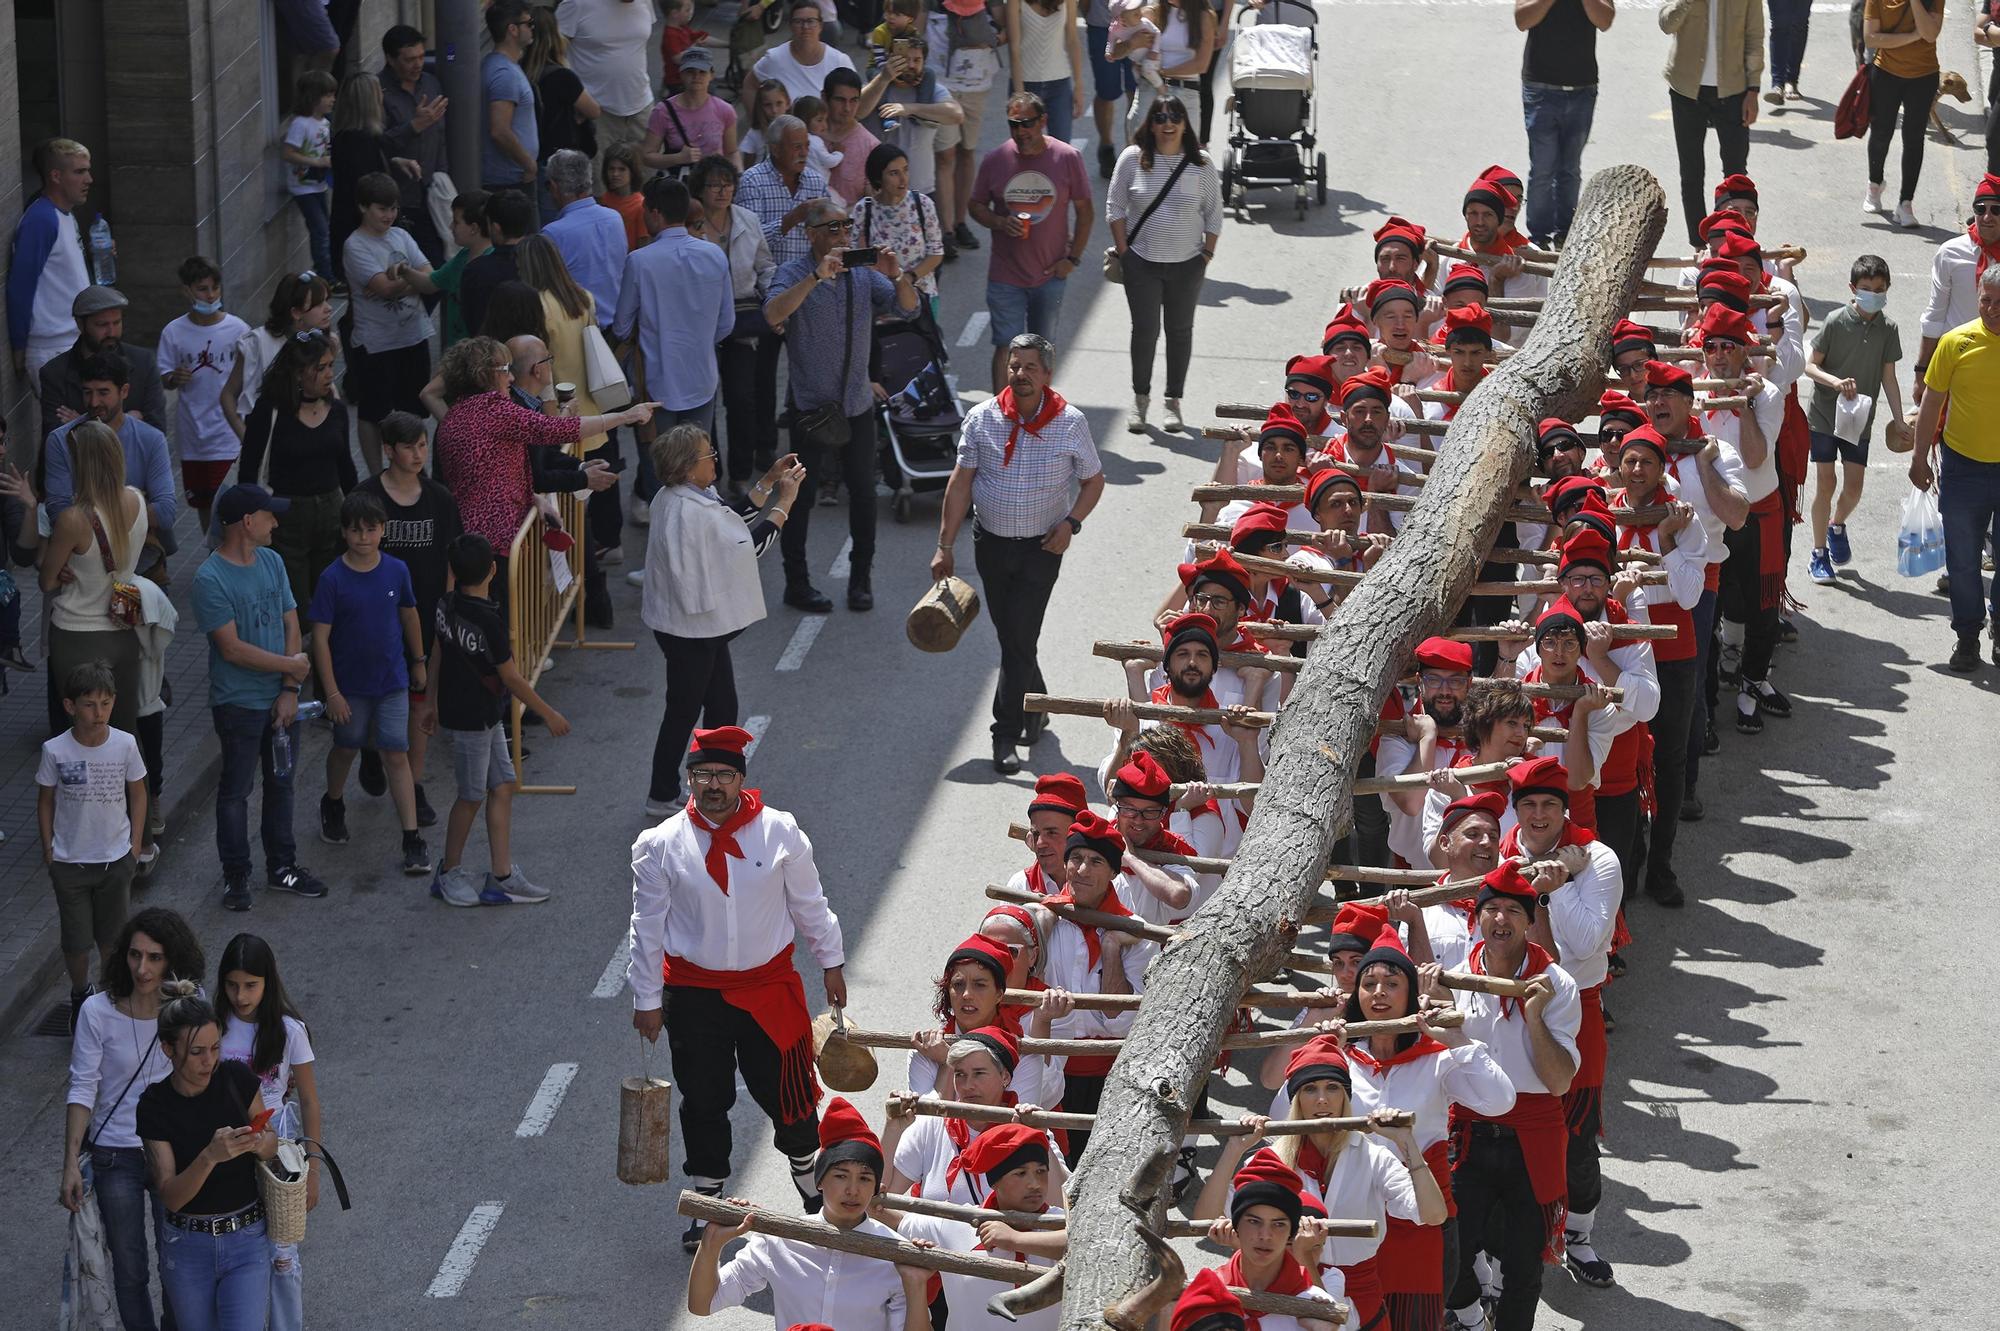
(1246, 930)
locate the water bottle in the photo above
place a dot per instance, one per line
(281, 739)
(103, 256)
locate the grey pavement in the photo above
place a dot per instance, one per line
(1797, 1116)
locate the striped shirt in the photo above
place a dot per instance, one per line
(1030, 494)
(762, 190)
(1173, 234)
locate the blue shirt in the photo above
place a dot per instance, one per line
(148, 468)
(501, 80)
(815, 338)
(254, 599)
(363, 616)
(678, 294)
(591, 240)
(762, 190)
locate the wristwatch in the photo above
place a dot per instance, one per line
(1075, 527)
(1542, 900)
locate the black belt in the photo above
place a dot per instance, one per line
(1496, 1131)
(979, 531)
(218, 1224)
(1183, 83)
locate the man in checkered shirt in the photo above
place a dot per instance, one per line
(1017, 458)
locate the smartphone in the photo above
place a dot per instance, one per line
(861, 258)
(263, 1117)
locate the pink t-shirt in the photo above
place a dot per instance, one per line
(1045, 187)
(850, 179)
(705, 126)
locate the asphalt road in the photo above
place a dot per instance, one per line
(1799, 1095)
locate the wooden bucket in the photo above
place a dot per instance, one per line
(942, 616)
(843, 1065)
(645, 1127)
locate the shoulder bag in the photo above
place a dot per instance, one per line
(88, 1143)
(751, 325)
(125, 610)
(1114, 263)
(602, 373)
(826, 427)
(676, 172)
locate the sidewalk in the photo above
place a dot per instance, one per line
(29, 959)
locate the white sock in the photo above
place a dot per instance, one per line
(1731, 634)
(1579, 1223)
(1473, 1316)
(1746, 700)
(802, 1175)
(708, 1187)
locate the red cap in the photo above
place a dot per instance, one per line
(1507, 880)
(1316, 370)
(1002, 1043)
(1098, 834)
(1554, 432)
(1586, 547)
(1194, 625)
(1471, 318)
(1738, 245)
(1500, 175)
(1615, 403)
(1258, 519)
(1493, 194)
(1724, 284)
(1385, 289)
(1142, 776)
(1722, 219)
(1666, 374)
(983, 951)
(1539, 776)
(724, 744)
(1322, 1051)
(1574, 489)
(1355, 924)
(1461, 275)
(1631, 336)
(1402, 231)
(1345, 324)
(1280, 420)
(1325, 479)
(1490, 802)
(1723, 322)
(1988, 188)
(1221, 567)
(845, 1138)
(1004, 1147)
(1644, 436)
(1736, 186)
(1373, 382)
(1560, 614)
(1444, 654)
(1059, 792)
(1206, 1299)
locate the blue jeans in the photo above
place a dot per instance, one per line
(1789, 22)
(312, 207)
(1558, 127)
(118, 1178)
(245, 736)
(216, 1282)
(1059, 96)
(1018, 310)
(1969, 500)
(665, 419)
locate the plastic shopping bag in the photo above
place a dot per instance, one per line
(1920, 539)
(1850, 417)
(88, 1300)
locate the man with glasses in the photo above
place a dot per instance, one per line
(718, 890)
(511, 152)
(801, 64)
(1141, 798)
(1617, 414)
(1632, 345)
(828, 308)
(1033, 194)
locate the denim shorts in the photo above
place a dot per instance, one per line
(382, 724)
(1018, 310)
(1115, 79)
(480, 761)
(1827, 447)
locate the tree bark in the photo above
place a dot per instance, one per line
(1244, 933)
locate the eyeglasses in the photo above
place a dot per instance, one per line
(1301, 395)
(1985, 209)
(837, 224)
(1720, 344)
(1145, 813)
(1211, 601)
(805, 20)
(709, 776)
(505, 369)
(1584, 580)
(1432, 680)
(1028, 123)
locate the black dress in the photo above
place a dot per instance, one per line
(555, 114)
(356, 153)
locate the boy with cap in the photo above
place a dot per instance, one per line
(1854, 354)
(1267, 1225)
(243, 602)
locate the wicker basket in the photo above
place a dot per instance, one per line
(284, 1200)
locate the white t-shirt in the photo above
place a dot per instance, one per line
(239, 1043)
(781, 66)
(384, 325)
(607, 51)
(208, 353)
(93, 825)
(312, 137)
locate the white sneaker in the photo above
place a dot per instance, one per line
(637, 577)
(1871, 202)
(1905, 215)
(1135, 419)
(640, 513)
(1173, 418)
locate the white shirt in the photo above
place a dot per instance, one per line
(925, 1154)
(781, 66)
(1068, 967)
(1954, 287)
(1369, 1183)
(1686, 565)
(1769, 408)
(1409, 834)
(1148, 907)
(1582, 914)
(677, 908)
(93, 822)
(1789, 352)
(1332, 1289)
(1506, 1038)
(255, 351)
(607, 49)
(208, 354)
(104, 1054)
(810, 1284)
(239, 1045)
(1691, 481)
(1451, 935)
(967, 1295)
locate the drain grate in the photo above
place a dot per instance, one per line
(55, 1021)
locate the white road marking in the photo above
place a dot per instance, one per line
(612, 982)
(756, 725)
(456, 1268)
(801, 643)
(838, 571)
(542, 1109)
(975, 328)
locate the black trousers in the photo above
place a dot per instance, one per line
(1157, 293)
(701, 690)
(1584, 1169)
(1887, 94)
(1371, 823)
(748, 410)
(855, 463)
(1618, 820)
(1016, 578)
(1693, 118)
(1081, 1095)
(711, 1042)
(1742, 591)
(1498, 1215)
(1678, 681)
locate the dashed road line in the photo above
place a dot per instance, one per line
(542, 1109)
(756, 725)
(802, 640)
(975, 328)
(837, 572)
(612, 981)
(456, 1268)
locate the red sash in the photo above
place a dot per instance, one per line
(775, 997)
(1681, 646)
(1794, 446)
(1364, 1288)
(1543, 1132)
(1411, 1258)
(1291, 1279)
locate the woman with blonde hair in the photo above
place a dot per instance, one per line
(94, 550)
(359, 149)
(568, 311)
(563, 110)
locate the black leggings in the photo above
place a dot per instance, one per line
(1151, 290)
(1887, 93)
(701, 686)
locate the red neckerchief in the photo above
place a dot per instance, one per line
(1291, 1279)
(1170, 842)
(987, 1203)
(961, 1134)
(1466, 906)
(1385, 456)
(1547, 709)
(722, 839)
(1451, 385)
(1111, 905)
(1986, 256)
(1537, 961)
(1245, 641)
(1503, 244)
(1038, 882)
(1052, 402)
(1194, 731)
(1425, 1047)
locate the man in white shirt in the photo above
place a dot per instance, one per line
(717, 891)
(1955, 271)
(607, 49)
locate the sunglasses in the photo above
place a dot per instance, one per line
(1985, 209)
(1300, 395)
(1166, 116)
(1029, 123)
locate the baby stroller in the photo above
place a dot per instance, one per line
(1271, 111)
(921, 418)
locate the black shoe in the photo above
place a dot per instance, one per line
(374, 781)
(236, 894)
(1005, 761)
(1710, 741)
(1691, 808)
(1034, 728)
(1595, 1272)
(691, 1240)
(1770, 700)
(598, 616)
(1107, 159)
(296, 879)
(416, 856)
(962, 236)
(1185, 1176)
(1614, 965)
(426, 815)
(1787, 632)
(76, 998)
(1965, 656)
(804, 596)
(1610, 1022)
(1752, 721)
(950, 248)
(860, 596)
(1666, 893)
(332, 821)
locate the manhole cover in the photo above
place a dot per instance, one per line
(55, 1021)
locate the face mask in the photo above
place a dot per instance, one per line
(1871, 302)
(208, 307)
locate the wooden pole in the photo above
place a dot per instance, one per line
(1505, 554)
(1026, 1221)
(1244, 929)
(1206, 1127)
(1215, 492)
(1352, 873)
(1311, 632)
(1145, 711)
(1291, 665)
(1330, 577)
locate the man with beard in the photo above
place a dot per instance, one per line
(1485, 208)
(1559, 449)
(148, 468)
(1400, 251)
(1444, 676)
(1059, 798)
(717, 893)
(1508, 1172)
(100, 326)
(1225, 591)
(1364, 410)
(1192, 680)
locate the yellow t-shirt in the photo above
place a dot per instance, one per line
(1911, 61)
(1966, 364)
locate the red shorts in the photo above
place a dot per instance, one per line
(203, 479)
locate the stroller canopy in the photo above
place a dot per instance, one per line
(1276, 57)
